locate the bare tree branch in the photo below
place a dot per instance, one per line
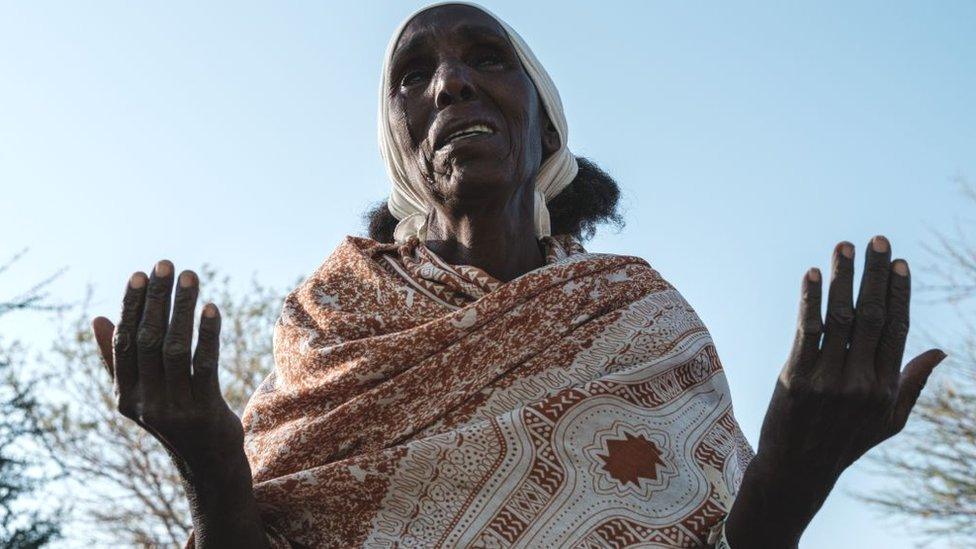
(34, 298)
(932, 464)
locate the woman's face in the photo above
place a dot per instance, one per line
(466, 116)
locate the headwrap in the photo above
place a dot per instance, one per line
(407, 202)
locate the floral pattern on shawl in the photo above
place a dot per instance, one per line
(417, 404)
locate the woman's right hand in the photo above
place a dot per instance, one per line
(175, 395)
(149, 356)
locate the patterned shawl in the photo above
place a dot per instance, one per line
(420, 404)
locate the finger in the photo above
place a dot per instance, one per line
(152, 330)
(124, 352)
(179, 338)
(892, 345)
(869, 314)
(102, 329)
(205, 380)
(913, 379)
(840, 310)
(806, 345)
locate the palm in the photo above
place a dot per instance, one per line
(170, 392)
(842, 390)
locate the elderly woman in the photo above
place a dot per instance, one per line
(470, 376)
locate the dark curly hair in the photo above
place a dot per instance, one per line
(589, 200)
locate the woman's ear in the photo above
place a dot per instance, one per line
(550, 137)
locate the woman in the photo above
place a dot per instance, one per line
(471, 377)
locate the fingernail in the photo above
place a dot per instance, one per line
(187, 279)
(137, 280)
(847, 250)
(879, 244)
(209, 310)
(814, 275)
(163, 268)
(900, 267)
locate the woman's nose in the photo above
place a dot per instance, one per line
(452, 85)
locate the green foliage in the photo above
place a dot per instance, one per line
(23, 522)
(20, 525)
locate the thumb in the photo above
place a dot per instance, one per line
(104, 330)
(913, 379)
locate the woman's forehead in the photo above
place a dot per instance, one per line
(447, 19)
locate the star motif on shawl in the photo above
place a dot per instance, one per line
(632, 458)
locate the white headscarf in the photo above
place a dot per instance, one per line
(406, 201)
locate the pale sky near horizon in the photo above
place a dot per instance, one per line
(748, 139)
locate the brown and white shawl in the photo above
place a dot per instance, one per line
(420, 404)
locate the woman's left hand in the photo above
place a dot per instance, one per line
(841, 392)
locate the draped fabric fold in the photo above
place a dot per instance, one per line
(421, 404)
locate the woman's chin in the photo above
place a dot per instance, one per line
(488, 149)
(475, 165)
(479, 178)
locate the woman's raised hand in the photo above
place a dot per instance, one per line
(175, 395)
(149, 356)
(841, 392)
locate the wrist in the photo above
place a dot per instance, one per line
(228, 474)
(782, 470)
(776, 502)
(222, 503)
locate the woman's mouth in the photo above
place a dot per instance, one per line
(467, 132)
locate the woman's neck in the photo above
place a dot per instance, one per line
(499, 239)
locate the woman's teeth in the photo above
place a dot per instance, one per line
(477, 129)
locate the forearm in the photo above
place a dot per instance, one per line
(773, 506)
(223, 508)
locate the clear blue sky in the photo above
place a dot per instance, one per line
(748, 139)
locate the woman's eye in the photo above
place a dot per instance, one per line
(412, 77)
(488, 60)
